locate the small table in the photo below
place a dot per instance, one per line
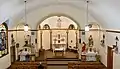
(59, 51)
(59, 47)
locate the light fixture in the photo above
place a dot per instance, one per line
(87, 26)
(26, 25)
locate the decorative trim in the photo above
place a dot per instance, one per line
(76, 39)
(67, 38)
(91, 30)
(41, 40)
(65, 29)
(113, 31)
(21, 30)
(50, 39)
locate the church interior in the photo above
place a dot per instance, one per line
(59, 34)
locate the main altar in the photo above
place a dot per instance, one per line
(59, 44)
(59, 48)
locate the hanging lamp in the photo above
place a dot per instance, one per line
(26, 25)
(87, 26)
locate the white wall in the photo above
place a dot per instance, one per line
(5, 62)
(39, 39)
(46, 39)
(109, 41)
(72, 37)
(116, 61)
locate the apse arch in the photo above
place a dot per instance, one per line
(59, 15)
(59, 30)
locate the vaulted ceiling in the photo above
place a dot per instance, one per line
(106, 12)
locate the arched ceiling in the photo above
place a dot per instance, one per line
(106, 12)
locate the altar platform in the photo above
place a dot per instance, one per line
(49, 55)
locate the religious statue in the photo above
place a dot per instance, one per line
(90, 43)
(115, 47)
(83, 47)
(12, 40)
(28, 39)
(103, 41)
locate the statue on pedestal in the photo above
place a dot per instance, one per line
(83, 47)
(90, 43)
(12, 40)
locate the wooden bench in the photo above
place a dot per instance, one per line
(24, 66)
(85, 65)
(27, 65)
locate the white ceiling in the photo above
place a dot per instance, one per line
(106, 12)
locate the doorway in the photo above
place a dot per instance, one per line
(12, 52)
(109, 58)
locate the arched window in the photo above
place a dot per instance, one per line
(3, 39)
(71, 26)
(46, 26)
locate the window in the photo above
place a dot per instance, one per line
(3, 40)
(71, 26)
(46, 26)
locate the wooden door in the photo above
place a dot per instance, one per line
(12, 52)
(110, 58)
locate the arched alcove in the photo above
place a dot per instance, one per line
(60, 30)
(95, 31)
(21, 35)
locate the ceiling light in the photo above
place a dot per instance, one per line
(26, 25)
(87, 26)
